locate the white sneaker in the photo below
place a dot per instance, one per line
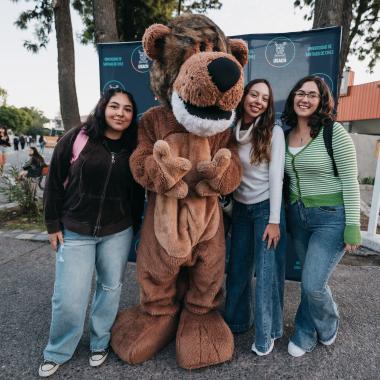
(330, 341)
(259, 353)
(295, 350)
(47, 368)
(98, 357)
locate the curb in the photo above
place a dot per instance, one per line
(370, 241)
(33, 235)
(7, 206)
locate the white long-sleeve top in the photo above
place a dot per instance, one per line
(263, 181)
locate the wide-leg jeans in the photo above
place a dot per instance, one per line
(249, 251)
(76, 261)
(317, 234)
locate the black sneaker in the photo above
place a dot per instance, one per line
(47, 368)
(98, 357)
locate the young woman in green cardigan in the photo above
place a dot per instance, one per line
(323, 207)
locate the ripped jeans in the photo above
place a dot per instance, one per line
(76, 260)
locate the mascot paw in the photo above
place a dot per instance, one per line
(203, 340)
(179, 190)
(173, 165)
(204, 189)
(137, 336)
(216, 167)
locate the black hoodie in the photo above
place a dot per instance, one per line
(100, 196)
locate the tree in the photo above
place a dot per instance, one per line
(44, 13)
(134, 16)
(24, 120)
(105, 21)
(66, 64)
(14, 118)
(38, 119)
(3, 95)
(360, 25)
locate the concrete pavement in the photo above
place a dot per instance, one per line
(27, 275)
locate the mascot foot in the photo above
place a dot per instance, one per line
(203, 340)
(137, 336)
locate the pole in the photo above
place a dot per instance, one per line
(375, 204)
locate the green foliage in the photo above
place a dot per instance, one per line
(41, 15)
(364, 36)
(21, 191)
(22, 120)
(38, 119)
(3, 95)
(134, 16)
(367, 181)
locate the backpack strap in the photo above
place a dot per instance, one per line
(286, 180)
(79, 143)
(327, 138)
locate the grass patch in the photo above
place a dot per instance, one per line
(13, 219)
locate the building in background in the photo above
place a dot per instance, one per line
(359, 106)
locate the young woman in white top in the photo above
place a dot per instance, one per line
(258, 224)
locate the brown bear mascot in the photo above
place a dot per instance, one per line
(186, 159)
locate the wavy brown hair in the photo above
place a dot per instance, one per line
(323, 114)
(262, 132)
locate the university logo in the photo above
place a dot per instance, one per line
(113, 84)
(280, 51)
(139, 60)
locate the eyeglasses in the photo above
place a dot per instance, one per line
(310, 95)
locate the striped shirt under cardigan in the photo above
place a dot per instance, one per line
(312, 179)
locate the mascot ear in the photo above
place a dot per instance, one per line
(153, 40)
(239, 50)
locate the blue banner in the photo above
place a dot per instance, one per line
(281, 58)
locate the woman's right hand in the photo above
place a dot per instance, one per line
(55, 238)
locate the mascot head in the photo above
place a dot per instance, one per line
(196, 71)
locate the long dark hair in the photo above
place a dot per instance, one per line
(96, 125)
(36, 157)
(323, 115)
(2, 126)
(262, 132)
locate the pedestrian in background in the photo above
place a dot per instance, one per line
(33, 167)
(15, 142)
(42, 143)
(22, 142)
(4, 145)
(91, 229)
(258, 224)
(323, 207)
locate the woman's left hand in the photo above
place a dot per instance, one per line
(272, 233)
(351, 248)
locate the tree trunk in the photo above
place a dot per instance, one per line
(335, 13)
(105, 21)
(66, 64)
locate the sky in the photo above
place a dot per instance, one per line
(32, 79)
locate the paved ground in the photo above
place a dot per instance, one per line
(27, 273)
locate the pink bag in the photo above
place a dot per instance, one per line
(79, 143)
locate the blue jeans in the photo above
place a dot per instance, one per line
(76, 260)
(249, 251)
(317, 235)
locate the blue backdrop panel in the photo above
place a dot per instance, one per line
(281, 58)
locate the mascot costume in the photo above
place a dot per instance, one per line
(186, 159)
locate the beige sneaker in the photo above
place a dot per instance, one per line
(47, 368)
(98, 357)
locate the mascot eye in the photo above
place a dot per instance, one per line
(215, 48)
(202, 46)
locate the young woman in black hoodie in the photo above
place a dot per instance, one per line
(91, 205)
